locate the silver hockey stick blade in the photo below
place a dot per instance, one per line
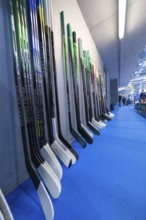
(52, 160)
(57, 139)
(62, 154)
(1, 216)
(50, 180)
(86, 129)
(73, 158)
(45, 202)
(96, 124)
(111, 114)
(102, 123)
(5, 210)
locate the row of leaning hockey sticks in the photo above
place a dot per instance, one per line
(38, 100)
(92, 83)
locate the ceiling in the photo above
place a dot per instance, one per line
(119, 57)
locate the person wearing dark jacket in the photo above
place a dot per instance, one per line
(142, 95)
(120, 100)
(124, 100)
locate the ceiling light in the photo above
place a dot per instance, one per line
(122, 16)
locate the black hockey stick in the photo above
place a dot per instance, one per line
(64, 48)
(83, 78)
(94, 95)
(111, 115)
(98, 97)
(48, 84)
(73, 55)
(103, 108)
(52, 83)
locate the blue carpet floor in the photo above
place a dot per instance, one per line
(107, 183)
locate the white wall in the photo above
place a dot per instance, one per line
(73, 15)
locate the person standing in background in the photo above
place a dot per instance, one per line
(124, 100)
(120, 100)
(142, 96)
